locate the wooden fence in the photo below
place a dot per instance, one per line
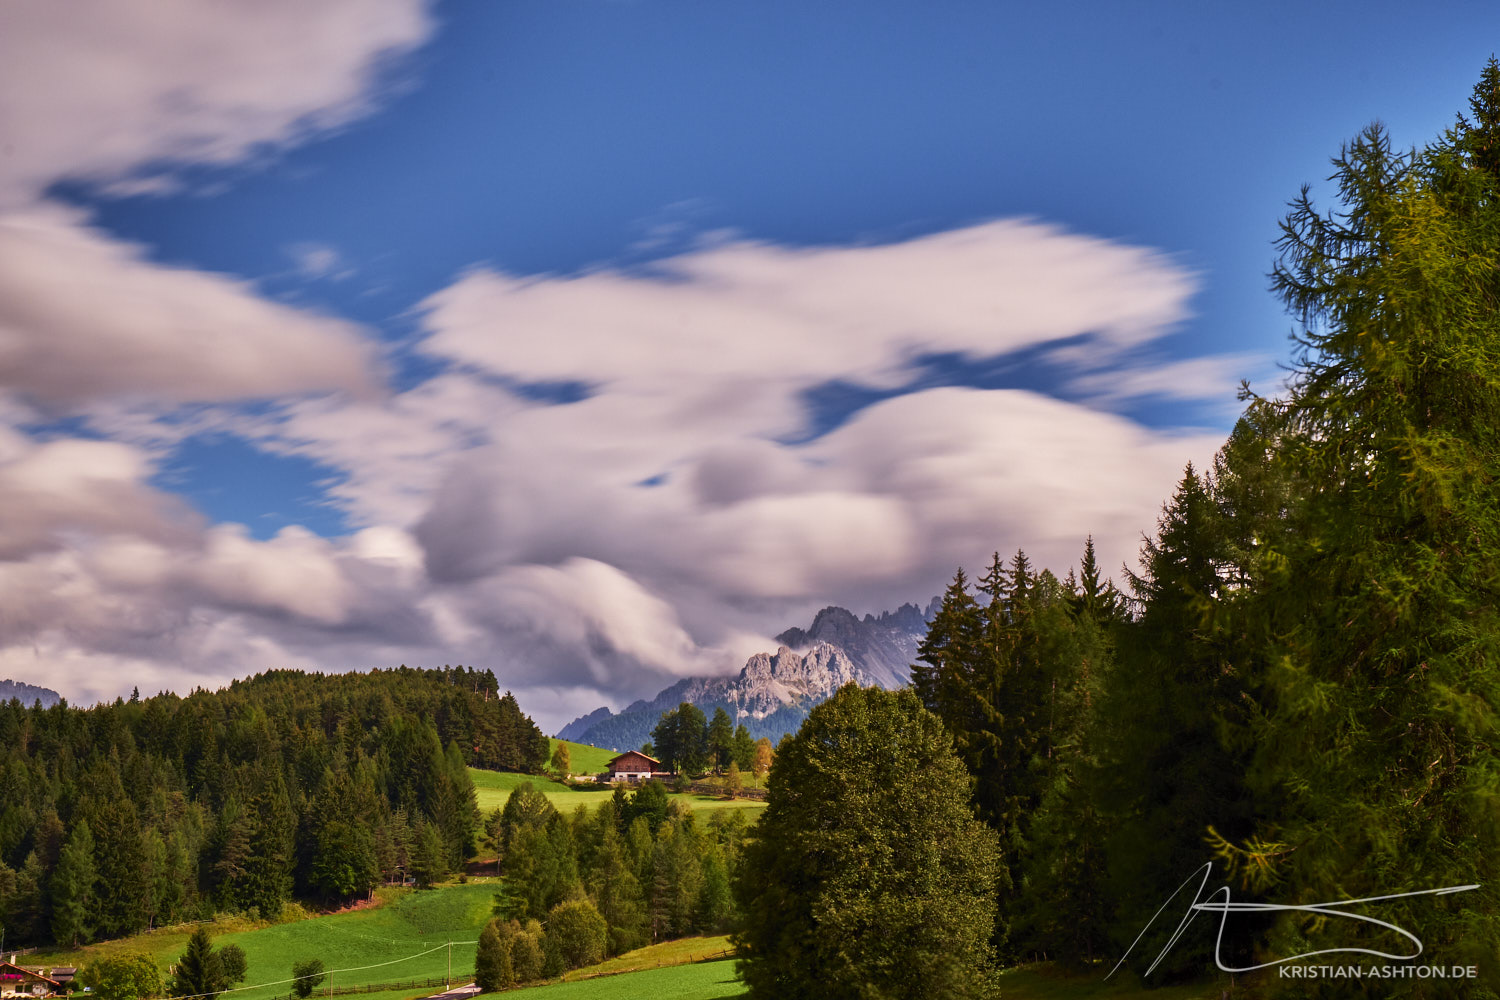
(707, 788)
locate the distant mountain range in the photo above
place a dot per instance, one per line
(774, 692)
(29, 694)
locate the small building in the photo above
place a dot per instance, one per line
(16, 980)
(63, 975)
(632, 765)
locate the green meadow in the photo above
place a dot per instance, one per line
(701, 981)
(492, 788)
(401, 940)
(584, 758)
(405, 937)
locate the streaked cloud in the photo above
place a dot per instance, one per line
(86, 317)
(114, 91)
(663, 524)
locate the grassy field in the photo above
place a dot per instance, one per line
(703, 981)
(655, 956)
(404, 938)
(492, 788)
(585, 759)
(715, 980)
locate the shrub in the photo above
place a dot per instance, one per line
(577, 934)
(307, 975)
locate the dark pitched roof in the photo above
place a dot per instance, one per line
(632, 753)
(34, 973)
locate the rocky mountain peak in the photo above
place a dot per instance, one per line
(774, 690)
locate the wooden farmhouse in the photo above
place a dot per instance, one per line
(634, 766)
(16, 980)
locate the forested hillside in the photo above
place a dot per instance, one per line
(286, 785)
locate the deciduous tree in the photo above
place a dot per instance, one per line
(868, 875)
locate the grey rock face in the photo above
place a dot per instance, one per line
(772, 694)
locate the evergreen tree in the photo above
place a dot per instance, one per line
(122, 895)
(617, 892)
(199, 973)
(1066, 909)
(429, 861)
(721, 739)
(743, 751)
(72, 887)
(1175, 767)
(345, 864)
(1377, 604)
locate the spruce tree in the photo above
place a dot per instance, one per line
(73, 886)
(1175, 763)
(199, 974)
(721, 738)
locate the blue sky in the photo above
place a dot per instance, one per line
(397, 306)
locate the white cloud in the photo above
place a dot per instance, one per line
(84, 317)
(111, 90)
(746, 310)
(519, 536)
(498, 531)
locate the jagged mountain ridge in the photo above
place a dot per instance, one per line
(773, 693)
(883, 648)
(29, 694)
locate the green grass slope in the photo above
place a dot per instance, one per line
(389, 936)
(585, 759)
(402, 940)
(703, 981)
(655, 956)
(715, 980)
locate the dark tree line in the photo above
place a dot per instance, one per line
(1301, 684)
(122, 817)
(687, 740)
